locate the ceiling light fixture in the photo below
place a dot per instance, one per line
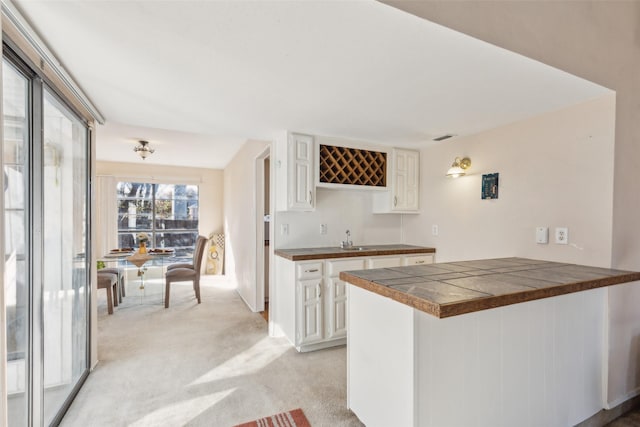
(143, 149)
(443, 137)
(459, 167)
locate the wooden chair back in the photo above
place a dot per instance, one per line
(201, 243)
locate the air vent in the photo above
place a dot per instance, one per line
(443, 137)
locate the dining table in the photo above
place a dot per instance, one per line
(143, 272)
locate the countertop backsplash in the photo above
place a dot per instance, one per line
(340, 210)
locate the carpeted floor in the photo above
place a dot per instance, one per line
(203, 365)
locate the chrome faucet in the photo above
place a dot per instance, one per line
(347, 243)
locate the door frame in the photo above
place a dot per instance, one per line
(260, 235)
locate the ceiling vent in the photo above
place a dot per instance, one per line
(443, 137)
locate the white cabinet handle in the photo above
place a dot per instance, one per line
(395, 200)
(310, 197)
(320, 291)
(313, 270)
(420, 262)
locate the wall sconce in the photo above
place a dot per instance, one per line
(459, 167)
(143, 149)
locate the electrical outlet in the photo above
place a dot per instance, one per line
(323, 228)
(562, 236)
(284, 229)
(434, 230)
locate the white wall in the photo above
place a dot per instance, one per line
(341, 210)
(240, 220)
(597, 41)
(555, 170)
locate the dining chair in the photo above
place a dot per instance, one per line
(118, 272)
(184, 272)
(109, 282)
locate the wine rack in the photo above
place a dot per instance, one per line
(353, 166)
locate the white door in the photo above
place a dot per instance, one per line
(310, 307)
(406, 186)
(301, 182)
(336, 309)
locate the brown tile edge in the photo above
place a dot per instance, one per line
(396, 295)
(486, 303)
(354, 254)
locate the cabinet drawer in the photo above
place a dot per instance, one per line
(334, 268)
(309, 270)
(418, 260)
(384, 262)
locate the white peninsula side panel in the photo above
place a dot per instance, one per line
(380, 365)
(538, 363)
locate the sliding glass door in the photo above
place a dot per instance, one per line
(15, 103)
(45, 164)
(64, 180)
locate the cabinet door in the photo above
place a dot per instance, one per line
(406, 180)
(309, 327)
(334, 268)
(300, 178)
(336, 296)
(336, 301)
(384, 262)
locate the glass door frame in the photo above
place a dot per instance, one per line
(34, 246)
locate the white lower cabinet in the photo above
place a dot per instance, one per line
(384, 262)
(310, 313)
(321, 303)
(336, 309)
(319, 316)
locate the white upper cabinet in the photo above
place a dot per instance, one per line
(404, 196)
(302, 192)
(295, 178)
(306, 162)
(406, 180)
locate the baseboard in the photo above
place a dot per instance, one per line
(630, 395)
(605, 416)
(321, 345)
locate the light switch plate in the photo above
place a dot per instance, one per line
(542, 235)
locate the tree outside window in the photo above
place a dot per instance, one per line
(168, 213)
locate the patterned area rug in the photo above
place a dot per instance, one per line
(293, 418)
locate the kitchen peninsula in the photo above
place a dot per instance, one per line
(508, 341)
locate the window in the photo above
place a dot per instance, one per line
(168, 213)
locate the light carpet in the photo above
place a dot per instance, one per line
(209, 364)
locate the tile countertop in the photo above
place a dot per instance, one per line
(305, 254)
(454, 288)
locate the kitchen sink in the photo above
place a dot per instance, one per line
(354, 248)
